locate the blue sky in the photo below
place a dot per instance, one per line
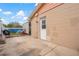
(15, 12)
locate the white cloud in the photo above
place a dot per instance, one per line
(7, 12)
(20, 17)
(20, 13)
(0, 10)
(36, 4)
(25, 18)
(4, 21)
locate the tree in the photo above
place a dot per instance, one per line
(14, 25)
(4, 25)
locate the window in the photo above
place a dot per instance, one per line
(43, 19)
(43, 24)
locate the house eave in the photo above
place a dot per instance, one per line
(35, 10)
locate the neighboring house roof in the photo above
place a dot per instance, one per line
(35, 10)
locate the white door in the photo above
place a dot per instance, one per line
(43, 28)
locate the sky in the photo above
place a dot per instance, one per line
(16, 12)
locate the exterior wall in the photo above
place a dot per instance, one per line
(62, 24)
(63, 27)
(34, 27)
(35, 30)
(44, 9)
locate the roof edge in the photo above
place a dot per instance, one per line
(35, 10)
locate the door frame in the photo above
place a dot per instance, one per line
(41, 29)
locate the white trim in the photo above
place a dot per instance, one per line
(42, 31)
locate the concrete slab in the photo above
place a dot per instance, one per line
(28, 46)
(47, 48)
(52, 53)
(64, 51)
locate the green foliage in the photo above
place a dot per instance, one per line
(13, 25)
(4, 25)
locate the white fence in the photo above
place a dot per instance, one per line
(26, 27)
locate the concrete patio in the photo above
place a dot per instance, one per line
(29, 46)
